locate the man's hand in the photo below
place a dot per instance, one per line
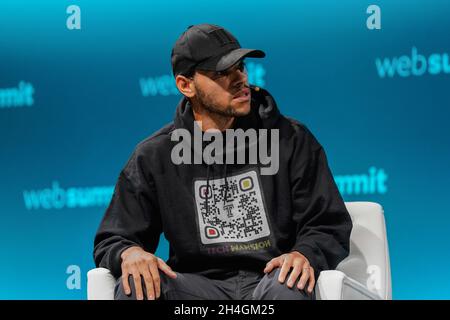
(301, 267)
(137, 262)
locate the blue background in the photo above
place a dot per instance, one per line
(89, 113)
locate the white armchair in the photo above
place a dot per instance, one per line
(364, 275)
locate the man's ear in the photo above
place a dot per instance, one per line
(185, 85)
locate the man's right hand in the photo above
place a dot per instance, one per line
(138, 262)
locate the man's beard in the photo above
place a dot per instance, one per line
(206, 101)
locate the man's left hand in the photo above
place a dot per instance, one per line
(300, 265)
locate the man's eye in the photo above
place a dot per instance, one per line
(218, 74)
(240, 67)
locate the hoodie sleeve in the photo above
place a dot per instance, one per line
(131, 219)
(323, 224)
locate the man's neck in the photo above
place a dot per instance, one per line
(211, 120)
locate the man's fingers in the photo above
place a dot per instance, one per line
(312, 280)
(156, 280)
(269, 267)
(166, 269)
(287, 263)
(125, 284)
(148, 280)
(294, 274)
(304, 277)
(138, 286)
(144, 268)
(274, 263)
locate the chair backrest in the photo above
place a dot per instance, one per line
(368, 261)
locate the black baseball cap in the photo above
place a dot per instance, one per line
(208, 47)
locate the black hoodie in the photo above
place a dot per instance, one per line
(220, 218)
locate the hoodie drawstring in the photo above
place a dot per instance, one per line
(207, 190)
(225, 198)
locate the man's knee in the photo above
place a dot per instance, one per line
(119, 290)
(269, 288)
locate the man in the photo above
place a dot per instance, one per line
(234, 233)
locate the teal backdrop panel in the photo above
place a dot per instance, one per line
(75, 102)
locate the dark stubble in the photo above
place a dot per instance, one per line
(208, 103)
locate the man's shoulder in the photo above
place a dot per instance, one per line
(296, 125)
(156, 140)
(301, 133)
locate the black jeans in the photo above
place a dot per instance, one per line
(244, 285)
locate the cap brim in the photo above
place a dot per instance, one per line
(227, 60)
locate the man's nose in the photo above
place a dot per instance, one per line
(240, 76)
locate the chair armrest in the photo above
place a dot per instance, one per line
(335, 285)
(100, 284)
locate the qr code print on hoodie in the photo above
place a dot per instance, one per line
(238, 216)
